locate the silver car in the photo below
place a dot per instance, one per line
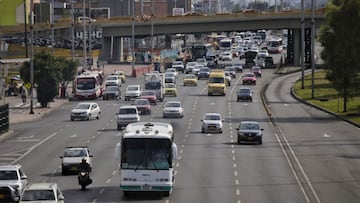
(173, 109)
(85, 111)
(14, 176)
(212, 122)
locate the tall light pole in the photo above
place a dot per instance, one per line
(84, 36)
(152, 29)
(72, 31)
(31, 56)
(133, 39)
(90, 45)
(312, 48)
(52, 26)
(26, 33)
(302, 44)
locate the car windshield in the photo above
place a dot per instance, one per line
(112, 78)
(249, 126)
(148, 93)
(152, 85)
(169, 75)
(249, 75)
(75, 153)
(127, 111)
(132, 88)
(38, 195)
(212, 117)
(111, 88)
(190, 76)
(172, 104)
(169, 85)
(8, 175)
(216, 80)
(204, 70)
(142, 102)
(82, 106)
(244, 91)
(229, 69)
(256, 69)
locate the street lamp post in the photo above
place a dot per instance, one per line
(26, 34)
(90, 45)
(312, 48)
(84, 36)
(133, 39)
(302, 44)
(72, 31)
(52, 26)
(32, 57)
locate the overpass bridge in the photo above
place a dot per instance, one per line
(113, 32)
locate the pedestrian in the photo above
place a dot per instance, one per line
(23, 93)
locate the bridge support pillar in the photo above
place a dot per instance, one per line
(117, 49)
(168, 41)
(106, 51)
(297, 46)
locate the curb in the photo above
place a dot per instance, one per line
(5, 135)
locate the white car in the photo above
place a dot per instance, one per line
(212, 122)
(127, 114)
(14, 176)
(173, 109)
(85, 111)
(262, 53)
(178, 65)
(226, 56)
(42, 192)
(197, 68)
(132, 91)
(72, 158)
(172, 70)
(113, 80)
(190, 66)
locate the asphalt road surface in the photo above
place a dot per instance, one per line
(306, 155)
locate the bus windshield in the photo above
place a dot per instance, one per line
(85, 84)
(146, 154)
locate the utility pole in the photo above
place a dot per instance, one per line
(152, 30)
(90, 45)
(84, 36)
(32, 56)
(133, 39)
(302, 44)
(72, 31)
(52, 26)
(313, 48)
(26, 34)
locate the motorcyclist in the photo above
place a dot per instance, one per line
(84, 166)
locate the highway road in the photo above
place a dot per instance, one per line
(306, 155)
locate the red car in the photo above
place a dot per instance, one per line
(249, 79)
(143, 106)
(150, 95)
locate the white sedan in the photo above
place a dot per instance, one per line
(212, 122)
(173, 109)
(85, 111)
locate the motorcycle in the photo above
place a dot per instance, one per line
(84, 179)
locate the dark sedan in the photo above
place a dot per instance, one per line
(204, 73)
(244, 94)
(111, 92)
(249, 131)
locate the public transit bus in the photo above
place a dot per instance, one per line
(275, 45)
(88, 85)
(225, 44)
(147, 153)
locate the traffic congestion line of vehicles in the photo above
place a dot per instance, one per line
(146, 148)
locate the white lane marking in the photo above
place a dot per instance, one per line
(167, 201)
(233, 158)
(177, 164)
(107, 124)
(6, 159)
(73, 135)
(93, 137)
(236, 182)
(24, 140)
(61, 129)
(326, 135)
(237, 192)
(108, 181)
(234, 165)
(235, 173)
(88, 141)
(94, 201)
(67, 125)
(101, 191)
(179, 157)
(181, 151)
(233, 151)
(33, 147)
(114, 172)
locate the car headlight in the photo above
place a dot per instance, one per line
(258, 134)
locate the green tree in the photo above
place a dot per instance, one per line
(341, 42)
(49, 72)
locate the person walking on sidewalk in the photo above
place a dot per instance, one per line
(23, 93)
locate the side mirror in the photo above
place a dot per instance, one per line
(201, 120)
(91, 155)
(262, 129)
(61, 157)
(237, 128)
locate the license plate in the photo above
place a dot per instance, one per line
(212, 127)
(146, 187)
(73, 168)
(250, 138)
(2, 196)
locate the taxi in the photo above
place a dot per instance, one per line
(170, 89)
(190, 79)
(121, 75)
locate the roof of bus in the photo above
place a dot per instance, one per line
(149, 130)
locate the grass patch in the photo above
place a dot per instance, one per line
(326, 96)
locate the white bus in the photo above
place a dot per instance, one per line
(275, 45)
(89, 85)
(225, 44)
(147, 152)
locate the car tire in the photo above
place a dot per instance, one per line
(220, 131)
(260, 140)
(63, 172)
(166, 193)
(126, 193)
(202, 131)
(238, 100)
(98, 116)
(118, 127)
(250, 99)
(88, 118)
(72, 119)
